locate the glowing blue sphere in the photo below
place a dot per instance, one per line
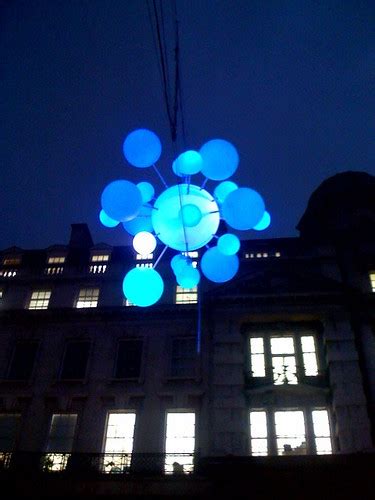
(121, 200)
(188, 163)
(218, 267)
(190, 215)
(143, 286)
(220, 159)
(147, 191)
(264, 222)
(107, 221)
(140, 223)
(144, 243)
(223, 189)
(175, 171)
(243, 208)
(228, 244)
(167, 220)
(188, 277)
(142, 148)
(178, 263)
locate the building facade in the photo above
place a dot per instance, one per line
(275, 367)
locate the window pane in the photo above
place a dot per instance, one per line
(62, 433)
(284, 370)
(88, 297)
(282, 345)
(257, 345)
(120, 433)
(290, 433)
(75, 360)
(8, 431)
(129, 359)
(180, 438)
(23, 361)
(258, 433)
(310, 364)
(258, 367)
(322, 432)
(323, 446)
(308, 344)
(40, 299)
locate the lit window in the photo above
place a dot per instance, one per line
(183, 357)
(12, 261)
(322, 432)
(1, 293)
(289, 435)
(192, 255)
(8, 273)
(180, 442)
(88, 297)
(98, 268)
(53, 270)
(8, 431)
(258, 433)
(56, 260)
(145, 264)
(40, 299)
(119, 442)
(283, 358)
(128, 303)
(372, 281)
(259, 255)
(138, 256)
(60, 441)
(258, 368)
(186, 295)
(277, 254)
(100, 258)
(265, 254)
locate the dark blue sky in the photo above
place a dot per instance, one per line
(290, 83)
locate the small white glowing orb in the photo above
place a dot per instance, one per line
(144, 243)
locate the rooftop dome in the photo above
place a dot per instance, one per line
(343, 206)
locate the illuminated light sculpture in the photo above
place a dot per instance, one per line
(185, 216)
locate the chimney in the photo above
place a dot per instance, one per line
(80, 236)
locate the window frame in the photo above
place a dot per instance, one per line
(141, 365)
(38, 291)
(196, 437)
(81, 288)
(194, 373)
(32, 372)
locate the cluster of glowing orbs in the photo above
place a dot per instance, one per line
(167, 221)
(121, 200)
(142, 148)
(140, 223)
(188, 163)
(143, 286)
(107, 221)
(220, 159)
(264, 222)
(243, 208)
(228, 244)
(147, 191)
(223, 189)
(144, 243)
(218, 267)
(178, 262)
(190, 215)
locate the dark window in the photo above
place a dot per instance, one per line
(183, 357)
(23, 359)
(75, 360)
(129, 359)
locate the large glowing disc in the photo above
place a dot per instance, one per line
(168, 223)
(143, 286)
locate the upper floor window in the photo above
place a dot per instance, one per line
(75, 360)
(183, 359)
(372, 281)
(144, 264)
(98, 263)
(129, 358)
(39, 299)
(291, 433)
(60, 441)
(186, 295)
(286, 358)
(23, 359)
(88, 297)
(10, 266)
(55, 264)
(9, 424)
(149, 256)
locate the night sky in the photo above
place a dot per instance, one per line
(289, 83)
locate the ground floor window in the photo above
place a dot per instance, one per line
(60, 441)
(119, 441)
(290, 432)
(179, 442)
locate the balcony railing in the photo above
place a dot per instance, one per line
(100, 463)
